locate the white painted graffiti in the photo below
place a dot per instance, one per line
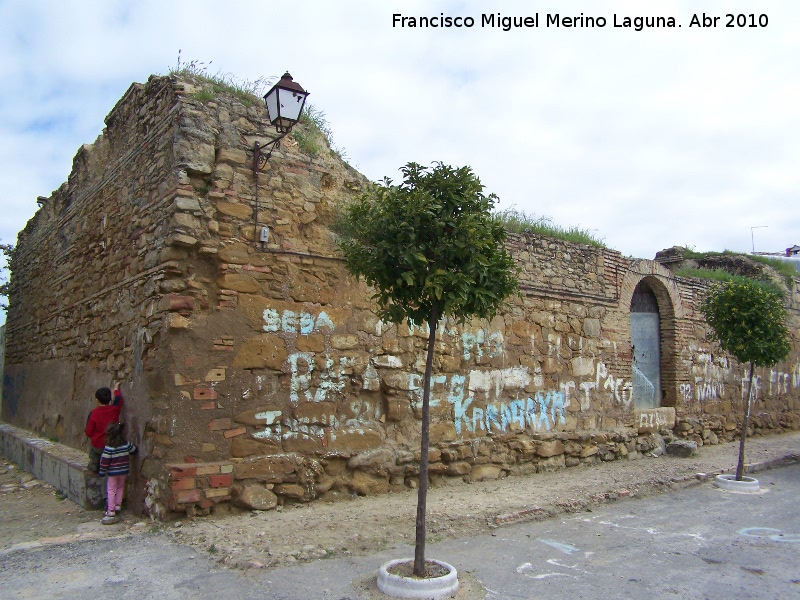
(779, 382)
(686, 391)
(619, 388)
(708, 390)
(754, 391)
(480, 342)
(321, 426)
(291, 322)
(653, 419)
(332, 378)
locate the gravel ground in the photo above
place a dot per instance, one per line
(33, 514)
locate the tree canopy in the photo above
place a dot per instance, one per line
(429, 243)
(749, 321)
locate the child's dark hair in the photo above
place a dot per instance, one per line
(103, 395)
(115, 435)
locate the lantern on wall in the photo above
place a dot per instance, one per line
(285, 103)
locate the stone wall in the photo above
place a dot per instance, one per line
(258, 373)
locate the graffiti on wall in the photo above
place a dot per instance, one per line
(620, 389)
(303, 323)
(479, 402)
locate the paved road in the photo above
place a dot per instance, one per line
(700, 542)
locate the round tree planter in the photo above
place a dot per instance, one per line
(727, 481)
(401, 586)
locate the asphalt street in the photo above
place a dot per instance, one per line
(700, 542)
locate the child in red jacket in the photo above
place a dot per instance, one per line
(107, 412)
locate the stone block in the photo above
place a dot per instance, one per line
(302, 443)
(242, 447)
(682, 448)
(552, 463)
(260, 416)
(371, 459)
(177, 321)
(366, 484)
(550, 448)
(291, 490)
(239, 282)
(442, 432)
(217, 374)
(310, 343)
(254, 496)
(273, 468)
(485, 472)
(344, 342)
(459, 468)
(187, 496)
(235, 210)
(355, 439)
(219, 424)
(266, 351)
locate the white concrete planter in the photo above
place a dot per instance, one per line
(727, 481)
(432, 588)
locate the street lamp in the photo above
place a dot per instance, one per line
(752, 239)
(285, 102)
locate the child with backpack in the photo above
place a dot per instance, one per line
(115, 464)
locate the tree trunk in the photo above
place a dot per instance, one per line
(422, 492)
(740, 466)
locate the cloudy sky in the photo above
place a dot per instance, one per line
(653, 138)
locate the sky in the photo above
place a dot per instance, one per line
(647, 139)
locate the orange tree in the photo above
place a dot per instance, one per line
(431, 248)
(749, 322)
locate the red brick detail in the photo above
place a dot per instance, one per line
(204, 394)
(179, 472)
(208, 405)
(189, 459)
(234, 432)
(206, 503)
(187, 496)
(184, 483)
(219, 424)
(216, 481)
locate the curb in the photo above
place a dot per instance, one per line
(539, 513)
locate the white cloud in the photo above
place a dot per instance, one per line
(651, 138)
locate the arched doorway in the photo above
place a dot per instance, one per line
(646, 347)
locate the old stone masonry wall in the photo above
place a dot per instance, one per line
(257, 372)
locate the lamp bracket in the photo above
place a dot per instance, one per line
(263, 152)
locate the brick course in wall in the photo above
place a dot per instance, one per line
(258, 375)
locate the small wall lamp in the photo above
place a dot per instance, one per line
(285, 102)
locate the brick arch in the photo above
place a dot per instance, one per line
(671, 311)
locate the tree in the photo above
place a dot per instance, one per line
(431, 249)
(749, 322)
